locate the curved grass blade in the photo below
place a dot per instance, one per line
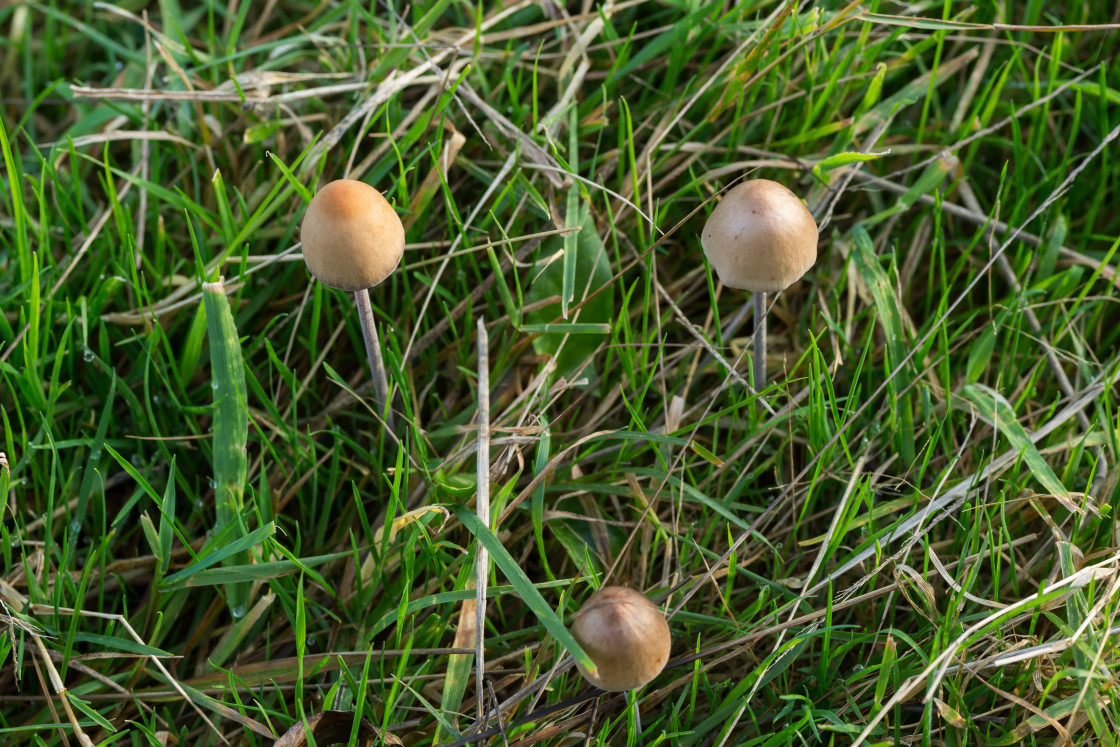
(237, 548)
(524, 586)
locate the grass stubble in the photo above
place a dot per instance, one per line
(906, 537)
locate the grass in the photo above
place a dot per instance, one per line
(907, 538)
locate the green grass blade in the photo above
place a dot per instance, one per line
(177, 580)
(995, 410)
(231, 424)
(524, 586)
(890, 316)
(120, 644)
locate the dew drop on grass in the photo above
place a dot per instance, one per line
(199, 505)
(213, 484)
(95, 455)
(214, 384)
(75, 526)
(238, 611)
(857, 668)
(87, 355)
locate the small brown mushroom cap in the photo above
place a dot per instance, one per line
(760, 237)
(625, 634)
(352, 238)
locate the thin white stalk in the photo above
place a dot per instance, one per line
(373, 353)
(482, 508)
(759, 341)
(632, 697)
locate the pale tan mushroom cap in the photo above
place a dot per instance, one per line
(352, 238)
(625, 634)
(760, 237)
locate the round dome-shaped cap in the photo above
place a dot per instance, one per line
(352, 238)
(625, 634)
(760, 237)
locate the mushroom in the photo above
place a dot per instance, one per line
(760, 238)
(353, 240)
(625, 634)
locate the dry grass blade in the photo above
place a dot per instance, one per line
(946, 503)
(918, 345)
(121, 620)
(937, 669)
(941, 412)
(482, 508)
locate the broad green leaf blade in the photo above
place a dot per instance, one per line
(889, 311)
(451, 597)
(980, 355)
(844, 159)
(120, 644)
(524, 586)
(133, 473)
(231, 421)
(1038, 721)
(566, 329)
(925, 24)
(167, 520)
(176, 580)
(592, 273)
(151, 535)
(995, 410)
(260, 571)
(84, 707)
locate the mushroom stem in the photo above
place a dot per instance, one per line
(632, 697)
(373, 353)
(759, 341)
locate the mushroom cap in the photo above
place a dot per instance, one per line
(760, 237)
(625, 634)
(352, 238)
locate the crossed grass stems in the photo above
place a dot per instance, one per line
(939, 509)
(790, 495)
(1105, 570)
(688, 586)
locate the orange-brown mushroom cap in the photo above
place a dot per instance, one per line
(625, 634)
(760, 237)
(352, 238)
